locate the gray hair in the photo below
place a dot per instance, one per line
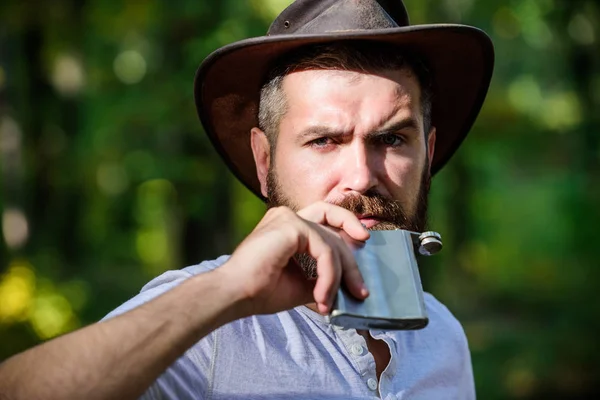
(352, 56)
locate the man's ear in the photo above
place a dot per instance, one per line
(262, 156)
(431, 146)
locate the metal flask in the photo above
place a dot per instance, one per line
(388, 263)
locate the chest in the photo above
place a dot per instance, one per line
(338, 364)
(274, 361)
(303, 368)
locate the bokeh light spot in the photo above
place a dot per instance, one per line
(130, 67)
(152, 246)
(581, 30)
(535, 30)
(562, 110)
(68, 77)
(152, 198)
(76, 292)
(52, 314)
(269, 9)
(539, 37)
(17, 288)
(15, 228)
(520, 382)
(457, 10)
(112, 179)
(10, 137)
(525, 94)
(557, 110)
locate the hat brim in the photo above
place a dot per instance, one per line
(227, 85)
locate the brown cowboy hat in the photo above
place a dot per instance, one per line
(459, 58)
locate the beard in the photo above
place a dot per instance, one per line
(390, 212)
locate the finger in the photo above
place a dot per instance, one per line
(345, 268)
(329, 272)
(336, 217)
(320, 244)
(351, 275)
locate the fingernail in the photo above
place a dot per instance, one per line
(364, 291)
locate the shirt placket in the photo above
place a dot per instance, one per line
(357, 350)
(386, 384)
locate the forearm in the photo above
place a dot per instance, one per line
(121, 357)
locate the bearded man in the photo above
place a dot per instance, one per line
(337, 119)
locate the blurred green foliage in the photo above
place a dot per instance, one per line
(107, 179)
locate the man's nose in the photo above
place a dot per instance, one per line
(358, 170)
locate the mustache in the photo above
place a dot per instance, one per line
(376, 205)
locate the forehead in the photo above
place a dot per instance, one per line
(335, 93)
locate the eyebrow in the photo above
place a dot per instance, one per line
(404, 124)
(325, 131)
(320, 131)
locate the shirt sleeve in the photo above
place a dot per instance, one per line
(164, 283)
(188, 377)
(454, 372)
(466, 381)
(153, 289)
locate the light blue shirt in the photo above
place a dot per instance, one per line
(296, 354)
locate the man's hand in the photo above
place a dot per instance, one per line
(263, 270)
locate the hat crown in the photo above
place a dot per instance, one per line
(322, 16)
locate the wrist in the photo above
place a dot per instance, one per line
(240, 293)
(226, 293)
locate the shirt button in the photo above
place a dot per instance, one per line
(357, 350)
(372, 384)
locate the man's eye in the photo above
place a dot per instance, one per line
(391, 140)
(320, 142)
